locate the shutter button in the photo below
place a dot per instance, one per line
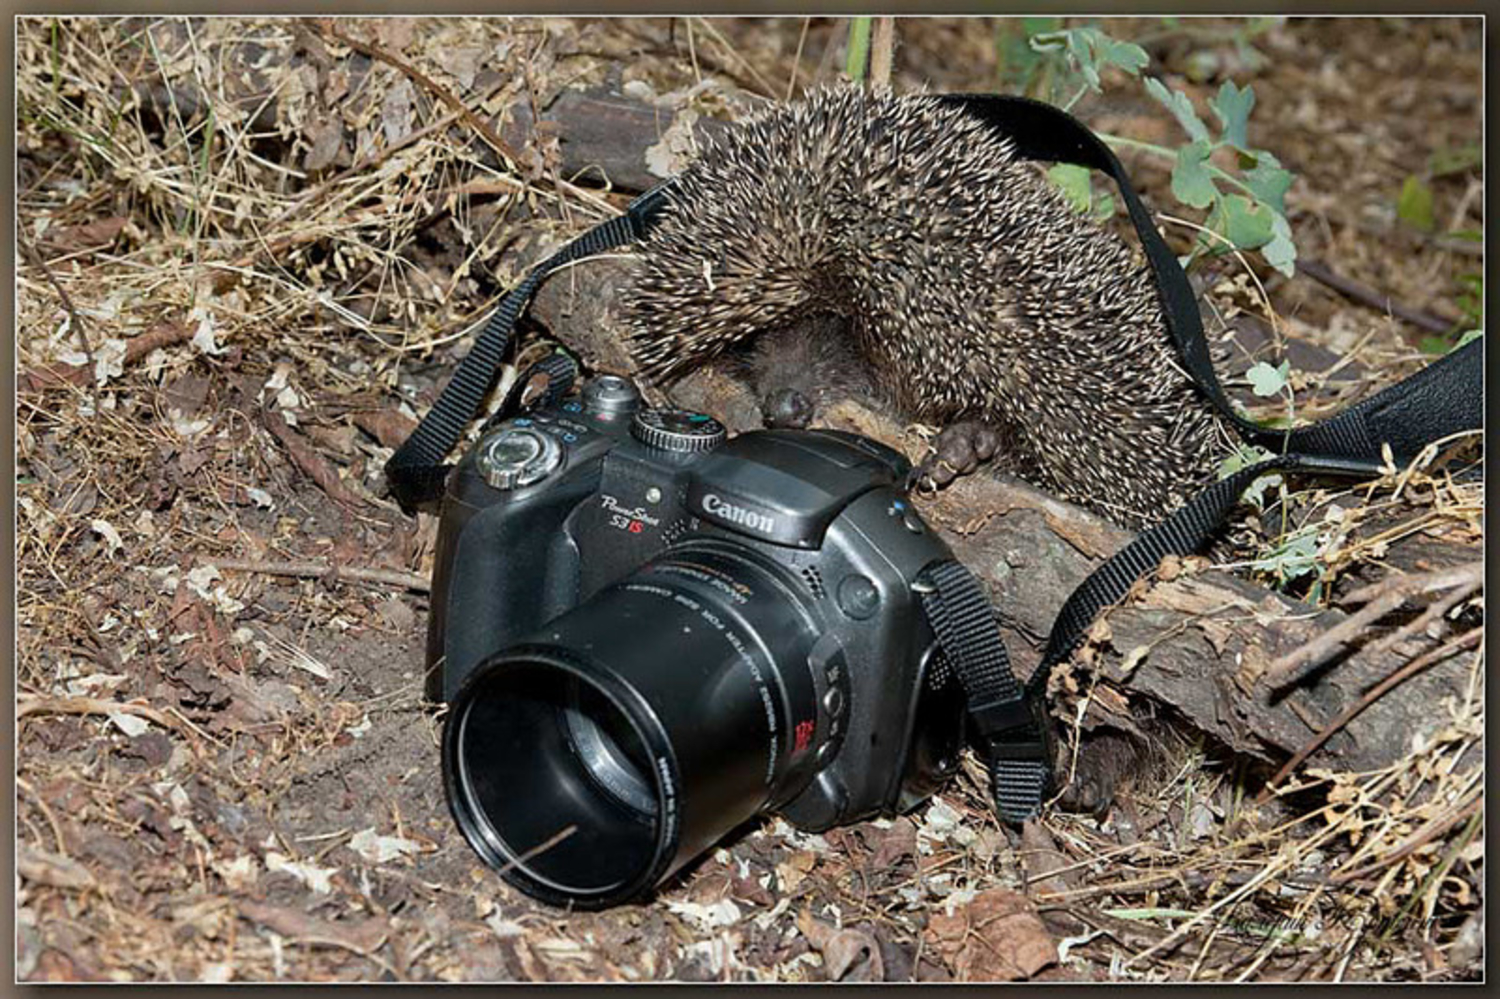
(517, 457)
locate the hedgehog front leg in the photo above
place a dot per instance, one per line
(959, 450)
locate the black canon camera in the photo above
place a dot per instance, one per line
(648, 633)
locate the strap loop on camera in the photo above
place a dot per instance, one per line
(1012, 732)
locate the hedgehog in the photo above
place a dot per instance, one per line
(962, 287)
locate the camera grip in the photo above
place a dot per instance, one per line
(497, 581)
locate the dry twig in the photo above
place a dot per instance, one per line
(1380, 599)
(328, 573)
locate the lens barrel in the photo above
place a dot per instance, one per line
(595, 758)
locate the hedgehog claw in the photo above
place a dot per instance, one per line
(959, 450)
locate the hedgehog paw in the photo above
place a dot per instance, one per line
(787, 408)
(959, 450)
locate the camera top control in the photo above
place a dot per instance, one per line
(518, 456)
(525, 449)
(677, 430)
(610, 395)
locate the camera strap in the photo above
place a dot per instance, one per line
(415, 474)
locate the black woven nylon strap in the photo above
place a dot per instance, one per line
(1443, 399)
(416, 473)
(1011, 730)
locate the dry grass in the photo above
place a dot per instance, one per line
(189, 273)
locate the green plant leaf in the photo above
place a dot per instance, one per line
(1281, 252)
(1075, 183)
(1083, 55)
(1125, 55)
(1292, 558)
(1232, 108)
(1450, 160)
(1266, 380)
(1268, 181)
(1255, 492)
(1414, 207)
(1191, 183)
(1181, 107)
(1471, 335)
(1247, 224)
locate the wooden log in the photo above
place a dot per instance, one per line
(602, 133)
(1209, 636)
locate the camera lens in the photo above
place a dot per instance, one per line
(609, 749)
(594, 759)
(552, 779)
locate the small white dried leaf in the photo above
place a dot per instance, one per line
(504, 927)
(319, 879)
(707, 917)
(131, 725)
(106, 530)
(185, 428)
(109, 360)
(381, 849)
(199, 579)
(259, 497)
(203, 339)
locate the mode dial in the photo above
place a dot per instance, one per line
(677, 430)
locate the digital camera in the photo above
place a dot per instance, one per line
(648, 633)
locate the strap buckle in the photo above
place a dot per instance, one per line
(1013, 730)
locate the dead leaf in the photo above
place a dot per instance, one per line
(894, 844)
(791, 871)
(310, 461)
(395, 113)
(360, 936)
(387, 426)
(849, 954)
(51, 869)
(1041, 860)
(88, 236)
(326, 138)
(997, 937)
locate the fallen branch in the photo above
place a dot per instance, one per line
(1465, 641)
(1365, 295)
(364, 938)
(164, 334)
(1379, 599)
(62, 293)
(33, 704)
(1429, 832)
(430, 85)
(328, 573)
